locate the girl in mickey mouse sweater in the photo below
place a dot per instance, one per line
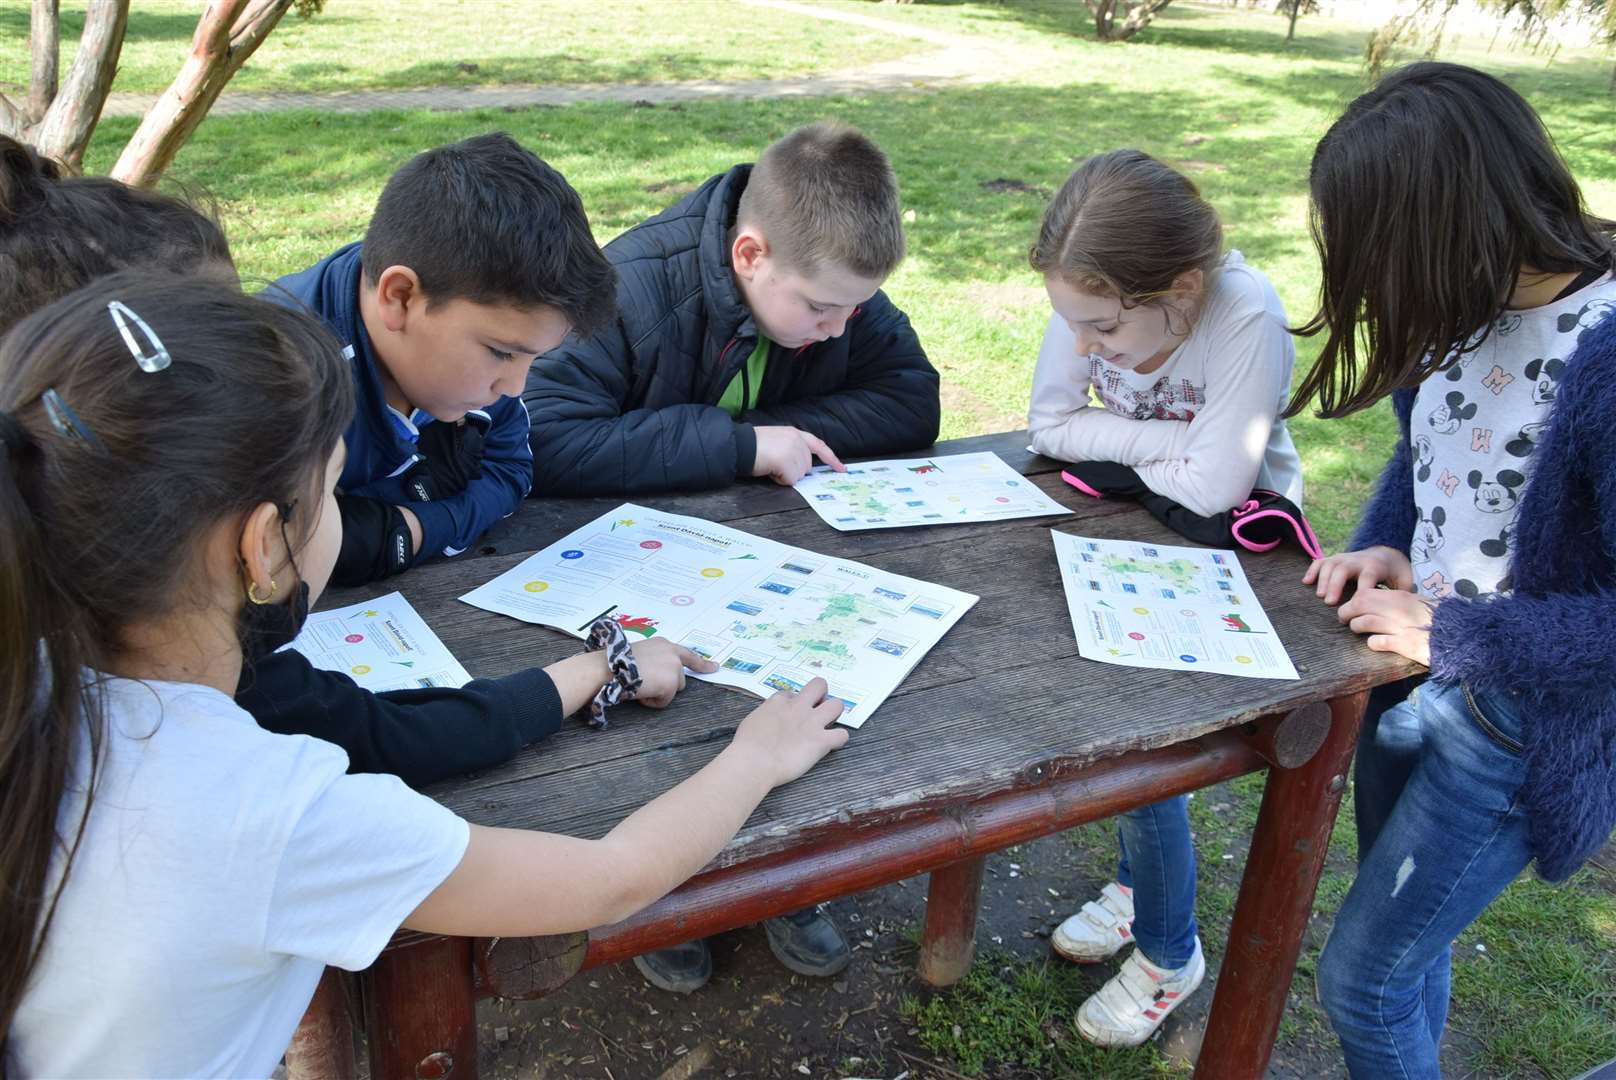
(1464, 277)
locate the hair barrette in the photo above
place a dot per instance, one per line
(155, 360)
(65, 420)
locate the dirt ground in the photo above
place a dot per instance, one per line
(755, 1019)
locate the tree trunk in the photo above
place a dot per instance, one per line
(1296, 9)
(1101, 11)
(44, 39)
(1139, 18)
(65, 129)
(226, 35)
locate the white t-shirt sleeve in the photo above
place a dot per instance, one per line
(1066, 426)
(363, 855)
(1216, 460)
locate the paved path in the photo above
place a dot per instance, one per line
(953, 60)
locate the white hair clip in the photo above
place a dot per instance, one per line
(155, 360)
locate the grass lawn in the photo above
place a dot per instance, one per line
(1216, 92)
(391, 44)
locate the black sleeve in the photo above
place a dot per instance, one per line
(891, 400)
(589, 439)
(421, 736)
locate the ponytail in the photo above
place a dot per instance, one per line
(43, 652)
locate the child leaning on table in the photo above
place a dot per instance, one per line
(751, 335)
(478, 257)
(168, 859)
(58, 233)
(1183, 344)
(1465, 278)
(1187, 349)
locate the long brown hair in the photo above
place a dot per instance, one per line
(110, 476)
(1430, 194)
(1127, 225)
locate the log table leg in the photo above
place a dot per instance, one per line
(322, 1047)
(421, 1008)
(949, 943)
(1276, 898)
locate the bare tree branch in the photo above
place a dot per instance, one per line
(226, 36)
(66, 127)
(12, 120)
(44, 39)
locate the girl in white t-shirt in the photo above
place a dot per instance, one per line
(1186, 349)
(176, 876)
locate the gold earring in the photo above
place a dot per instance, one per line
(252, 592)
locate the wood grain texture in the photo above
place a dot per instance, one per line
(1003, 694)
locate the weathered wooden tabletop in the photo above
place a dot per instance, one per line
(1003, 696)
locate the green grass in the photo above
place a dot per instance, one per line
(1214, 91)
(391, 44)
(1009, 1011)
(293, 186)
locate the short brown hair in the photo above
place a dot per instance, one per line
(1126, 225)
(825, 195)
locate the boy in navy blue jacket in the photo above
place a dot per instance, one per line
(477, 259)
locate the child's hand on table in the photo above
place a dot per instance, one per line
(785, 454)
(662, 667)
(787, 734)
(1365, 569)
(1396, 622)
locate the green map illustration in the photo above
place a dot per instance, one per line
(823, 630)
(1182, 575)
(864, 495)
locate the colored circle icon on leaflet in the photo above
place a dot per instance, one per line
(361, 669)
(354, 639)
(1187, 658)
(536, 586)
(650, 545)
(1136, 635)
(1000, 498)
(682, 601)
(1242, 660)
(573, 554)
(1141, 611)
(712, 572)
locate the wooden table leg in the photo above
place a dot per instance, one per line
(322, 1047)
(949, 943)
(1276, 899)
(421, 1012)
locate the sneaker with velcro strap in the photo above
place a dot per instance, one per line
(1129, 1008)
(1100, 929)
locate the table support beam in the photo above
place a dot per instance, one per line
(949, 943)
(1287, 854)
(854, 860)
(323, 1044)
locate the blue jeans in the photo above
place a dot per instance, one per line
(1441, 833)
(1158, 864)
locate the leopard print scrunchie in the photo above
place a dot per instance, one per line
(625, 681)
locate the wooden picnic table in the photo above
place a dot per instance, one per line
(1000, 735)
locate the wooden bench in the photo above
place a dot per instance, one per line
(1000, 735)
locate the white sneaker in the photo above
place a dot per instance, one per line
(1100, 928)
(1127, 1010)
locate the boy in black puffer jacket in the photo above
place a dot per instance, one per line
(752, 335)
(751, 338)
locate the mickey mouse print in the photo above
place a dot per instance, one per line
(1474, 429)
